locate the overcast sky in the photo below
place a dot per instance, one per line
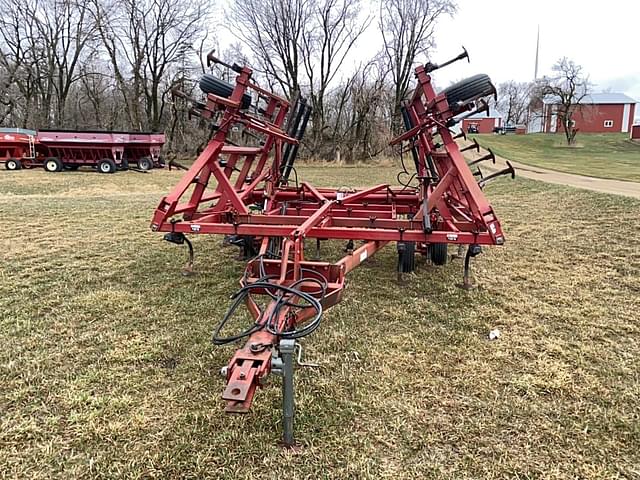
(500, 36)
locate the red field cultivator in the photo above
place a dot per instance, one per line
(246, 194)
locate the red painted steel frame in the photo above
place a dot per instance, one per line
(235, 190)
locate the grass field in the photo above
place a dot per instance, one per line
(606, 156)
(107, 370)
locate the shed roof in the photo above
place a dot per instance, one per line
(599, 99)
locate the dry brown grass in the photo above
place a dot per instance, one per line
(107, 369)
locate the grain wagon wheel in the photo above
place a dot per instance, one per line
(145, 163)
(53, 164)
(13, 164)
(107, 165)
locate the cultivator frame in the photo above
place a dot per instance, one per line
(245, 193)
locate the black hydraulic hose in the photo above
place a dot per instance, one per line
(283, 296)
(292, 130)
(239, 298)
(433, 173)
(269, 324)
(294, 149)
(408, 126)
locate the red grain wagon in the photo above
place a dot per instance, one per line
(58, 150)
(17, 147)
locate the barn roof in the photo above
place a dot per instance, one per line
(599, 99)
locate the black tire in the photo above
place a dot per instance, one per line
(438, 253)
(468, 90)
(211, 84)
(145, 163)
(53, 164)
(124, 165)
(13, 164)
(106, 165)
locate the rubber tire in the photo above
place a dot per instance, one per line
(469, 89)
(13, 164)
(124, 165)
(145, 164)
(438, 253)
(211, 84)
(49, 162)
(106, 165)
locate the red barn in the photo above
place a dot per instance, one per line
(635, 132)
(597, 113)
(481, 123)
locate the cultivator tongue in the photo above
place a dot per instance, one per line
(242, 190)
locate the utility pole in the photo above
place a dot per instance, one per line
(535, 77)
(535, 74)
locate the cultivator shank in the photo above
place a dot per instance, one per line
(245, 193)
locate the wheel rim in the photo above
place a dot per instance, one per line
(51, 165)
(105, 167)
(11, 164)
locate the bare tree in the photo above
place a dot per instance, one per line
(358, 113)
(567, 90)
(408, 28)
(45, 42)
(334, 31)
(513, 101)
(274, 30)
(112, 63)
(21, 53)
(300, 45)
(66, 30)
(146, 42)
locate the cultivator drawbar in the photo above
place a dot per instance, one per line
(244, 192)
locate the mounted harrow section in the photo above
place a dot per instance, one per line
(245, 193)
